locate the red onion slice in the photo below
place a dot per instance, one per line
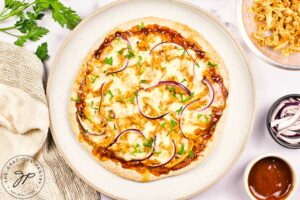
(144, 115)
(181, 114)
(278, 111)
(290, 140)
(139, 132)
(211, 91)
(125, 65)
(162, 43)
(173, 83)
(285, 121)
(121, 69)
(125, 131)
(289, 122)
(86, 129)
(172, 156)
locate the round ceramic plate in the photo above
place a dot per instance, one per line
(240, 113)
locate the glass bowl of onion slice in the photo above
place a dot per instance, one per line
(283, 121)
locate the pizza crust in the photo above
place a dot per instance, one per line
(190, 34)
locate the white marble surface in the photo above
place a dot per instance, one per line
(271, 83)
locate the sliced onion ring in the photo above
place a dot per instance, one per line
(285, 121)
(161, 43)
(173, 83)
(121, 69)
(125, 131)
(125, 65)
(139, 132)
(141, 112)
(86, 129)
(211, 91)
(290, 140)
(172, 156)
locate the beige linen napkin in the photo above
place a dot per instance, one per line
(24, 123)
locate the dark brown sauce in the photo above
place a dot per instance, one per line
(270, 179)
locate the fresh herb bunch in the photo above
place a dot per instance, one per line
(28, 13)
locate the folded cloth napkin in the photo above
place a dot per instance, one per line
(24, 125)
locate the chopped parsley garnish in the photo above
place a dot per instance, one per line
(115, 127)
(136, 149)
(211, 64)
(140, 60)
(197, 65)
(183, 80)
(187, 99)
(109, 61)
(109, 93)
(141, 26)
(93, 79)
(181, 151)
(136, 93)
(172, 90)
(183, 51)
(130, 54)
(92, 106)
(173, 124)
(179, 110)
(163, 124)
(157, 152)
(149, 143)
(89, 119)
(117, 40)
(191, 154)
(199, 116)
(77, 99)
(143, 81)
(131, 100)
(206, 119)
(121, 51)
(159, 107)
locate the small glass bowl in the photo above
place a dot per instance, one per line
(247, 26)
(270, 113)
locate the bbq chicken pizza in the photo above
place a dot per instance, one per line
(149, 100)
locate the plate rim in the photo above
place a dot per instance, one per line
(198, 10)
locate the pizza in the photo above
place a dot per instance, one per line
(149, 100)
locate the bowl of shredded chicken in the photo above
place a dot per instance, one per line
(271, 29)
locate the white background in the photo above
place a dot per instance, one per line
(271, 84)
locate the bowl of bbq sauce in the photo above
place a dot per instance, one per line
(270, 177)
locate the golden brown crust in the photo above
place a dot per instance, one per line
(186, 32)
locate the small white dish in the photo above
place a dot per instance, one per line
(258, 158)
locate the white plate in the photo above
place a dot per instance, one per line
(241, 101)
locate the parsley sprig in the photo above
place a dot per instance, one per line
(28, 14)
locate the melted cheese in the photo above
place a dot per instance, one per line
(119, 108)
